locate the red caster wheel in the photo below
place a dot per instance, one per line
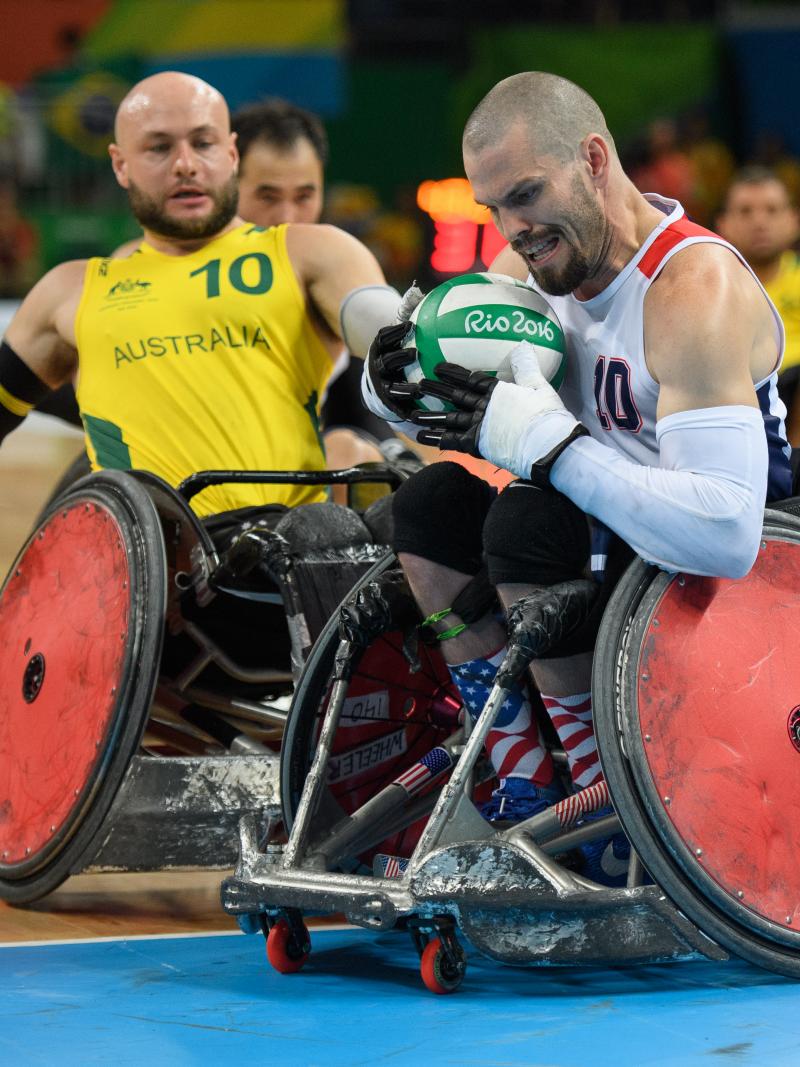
(288, 946)
(443, 965)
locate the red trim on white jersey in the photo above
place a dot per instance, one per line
(673, 235)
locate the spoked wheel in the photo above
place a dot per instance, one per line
(443, 966)
(697, 705)
(288, 945)
(81, 622)
(392, 716)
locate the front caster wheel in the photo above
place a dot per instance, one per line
(288, 946)
(443, 965)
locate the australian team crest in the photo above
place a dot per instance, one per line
(127, 294)
(128, 287)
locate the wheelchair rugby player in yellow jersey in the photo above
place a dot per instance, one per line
(208, 349)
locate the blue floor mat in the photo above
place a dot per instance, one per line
(360, 1001)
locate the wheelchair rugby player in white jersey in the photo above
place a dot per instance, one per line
(665, 440)
(632, 566)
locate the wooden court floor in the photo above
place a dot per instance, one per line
(32, 460)
(121, 905)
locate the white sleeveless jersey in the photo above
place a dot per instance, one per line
(608, 387)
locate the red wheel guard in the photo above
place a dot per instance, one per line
(718, 690)
(63, 640)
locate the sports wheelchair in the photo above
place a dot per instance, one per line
(146, 664)
(696, 691)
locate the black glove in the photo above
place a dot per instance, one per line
(386, 361)
(468, 392)
(379, 606)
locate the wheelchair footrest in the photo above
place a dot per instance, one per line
(500, 899)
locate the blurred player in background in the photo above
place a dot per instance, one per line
(194, 357)
(759, 218)
(283, 150)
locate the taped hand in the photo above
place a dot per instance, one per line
(521, 426)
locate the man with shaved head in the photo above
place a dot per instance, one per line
(211, 345)
(665, 440)
(282, 149)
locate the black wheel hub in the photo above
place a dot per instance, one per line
(794, 727)
(33, 678)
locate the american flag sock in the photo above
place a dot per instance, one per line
(513, 743)
(572, 718)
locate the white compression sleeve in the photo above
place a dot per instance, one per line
(362, 313)
(701, 511)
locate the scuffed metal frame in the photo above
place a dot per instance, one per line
(503, 888)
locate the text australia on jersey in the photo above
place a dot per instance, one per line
(228, 336)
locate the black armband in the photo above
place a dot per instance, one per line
(540, 472)
(20, 389)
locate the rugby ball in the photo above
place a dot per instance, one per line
(476, 320)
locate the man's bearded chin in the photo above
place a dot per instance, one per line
(151, 216)
(560, 281)
(589, 222)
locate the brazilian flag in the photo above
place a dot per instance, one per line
(80, 103)
(83, 114)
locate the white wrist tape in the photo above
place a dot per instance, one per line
(513, 438)
(362, 313)
(409, 301)
(700, 511)
(526, 420)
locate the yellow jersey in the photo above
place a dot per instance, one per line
(784, 292)
(203, 361)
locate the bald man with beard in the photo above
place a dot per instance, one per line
(210, 347)
(665, 440)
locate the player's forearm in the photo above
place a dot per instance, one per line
(20, 390)
(701, 511)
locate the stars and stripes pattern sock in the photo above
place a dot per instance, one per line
(513, 744)
(572, 718)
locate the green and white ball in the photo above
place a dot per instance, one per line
(476, 320)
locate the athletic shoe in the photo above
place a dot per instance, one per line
(605, 861)
(517, 799)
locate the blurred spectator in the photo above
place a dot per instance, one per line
(283, 151)
(760, 220)
(666, 168)
(19, 264)
(353, 208)
(395, 237)
(712, 167)
(771, 152)
(10, 133)
(32, 140)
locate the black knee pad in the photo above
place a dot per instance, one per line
(439, 515)
(535, 535)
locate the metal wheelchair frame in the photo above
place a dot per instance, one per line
(507, 888)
